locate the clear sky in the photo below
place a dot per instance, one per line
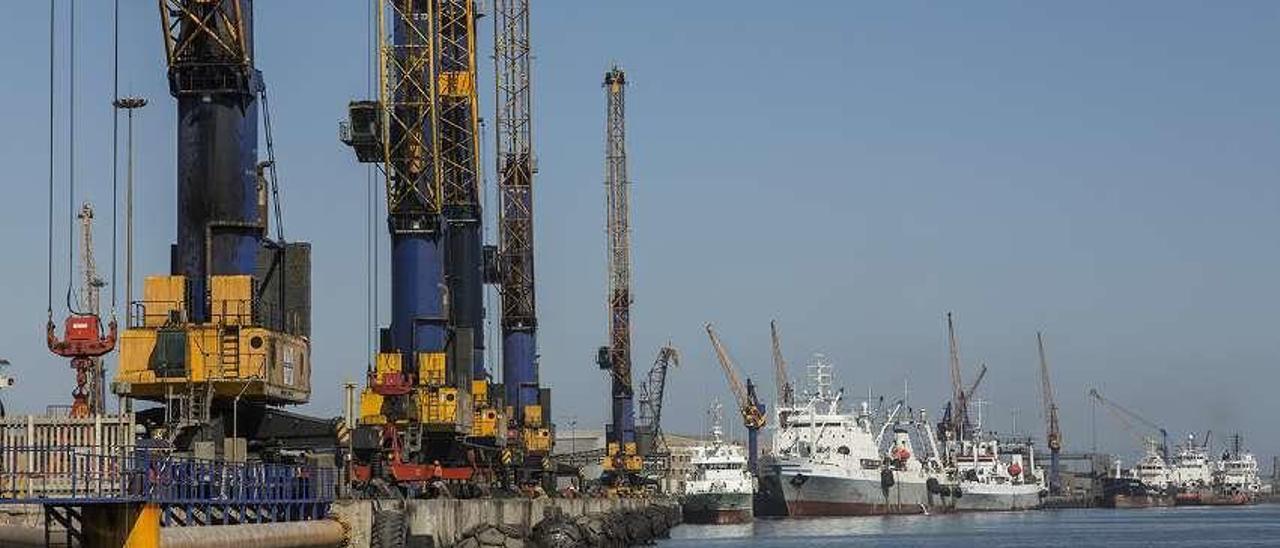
(1104, 171)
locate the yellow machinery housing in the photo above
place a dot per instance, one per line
(234, 354)
(428, 401)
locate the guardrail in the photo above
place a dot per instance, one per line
(83, 476)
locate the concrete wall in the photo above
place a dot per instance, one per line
(445, 520)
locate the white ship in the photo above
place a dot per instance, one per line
(1200, 480)
(719, 489)
(1192, 470)
(825, 462)
(982, 479)
(1236, 481)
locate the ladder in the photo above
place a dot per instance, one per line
(228, 350)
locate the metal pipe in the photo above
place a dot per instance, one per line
(298, 534)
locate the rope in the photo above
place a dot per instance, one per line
(115, 150)
(52, 129)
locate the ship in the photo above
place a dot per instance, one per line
(1150, 483)
(1231, 481)
(984, 479)
(719, 489)
(827, 462)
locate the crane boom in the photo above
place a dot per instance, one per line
(750, 416)
(977, 381)
(782, 381)
(749, 405)
(959, 410)
(651, 441)
(1129, 417)
(1053, 433)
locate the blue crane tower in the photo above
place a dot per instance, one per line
(225, 335)
(428, 389)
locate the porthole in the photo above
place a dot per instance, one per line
(255, 343)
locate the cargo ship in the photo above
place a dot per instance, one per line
(719, 488)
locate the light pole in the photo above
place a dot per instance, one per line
(129, 104)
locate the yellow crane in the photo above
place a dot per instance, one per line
(749, 405)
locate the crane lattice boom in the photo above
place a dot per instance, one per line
(1053, 435)
(782, 381)
(750, 409)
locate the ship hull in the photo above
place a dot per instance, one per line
(1003, 498)
(1138, 501)
(717, 508)
(1214, 499)
(818, 495)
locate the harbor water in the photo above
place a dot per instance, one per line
(1184, 526)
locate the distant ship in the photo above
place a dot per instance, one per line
(1231, 481)
(985, 480)
(1150, 483)
(825, 462)
(719, 489)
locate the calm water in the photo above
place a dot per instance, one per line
(1187, 526)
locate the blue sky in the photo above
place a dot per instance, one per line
(1103, 171)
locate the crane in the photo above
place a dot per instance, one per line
(88, 397)
(749, 405)
(427, 401)
(621, 455)
(529, 420)
(782, 381)
(652, 445)
(956, 417)
(1053, 433)
(223, 339)
(1128, 417)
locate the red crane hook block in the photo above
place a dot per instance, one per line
(82, 337)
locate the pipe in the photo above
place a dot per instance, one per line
(296, 534)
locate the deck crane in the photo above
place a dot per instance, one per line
(529, 414)
(427, 404)
(782, 381)
(650, 441)
(749, 405)
(622, 457)
(1128, 417)
(1053, 433)
(223, 339)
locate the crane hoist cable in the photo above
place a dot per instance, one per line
(115, 146)
(71, 155)
(52, 170)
